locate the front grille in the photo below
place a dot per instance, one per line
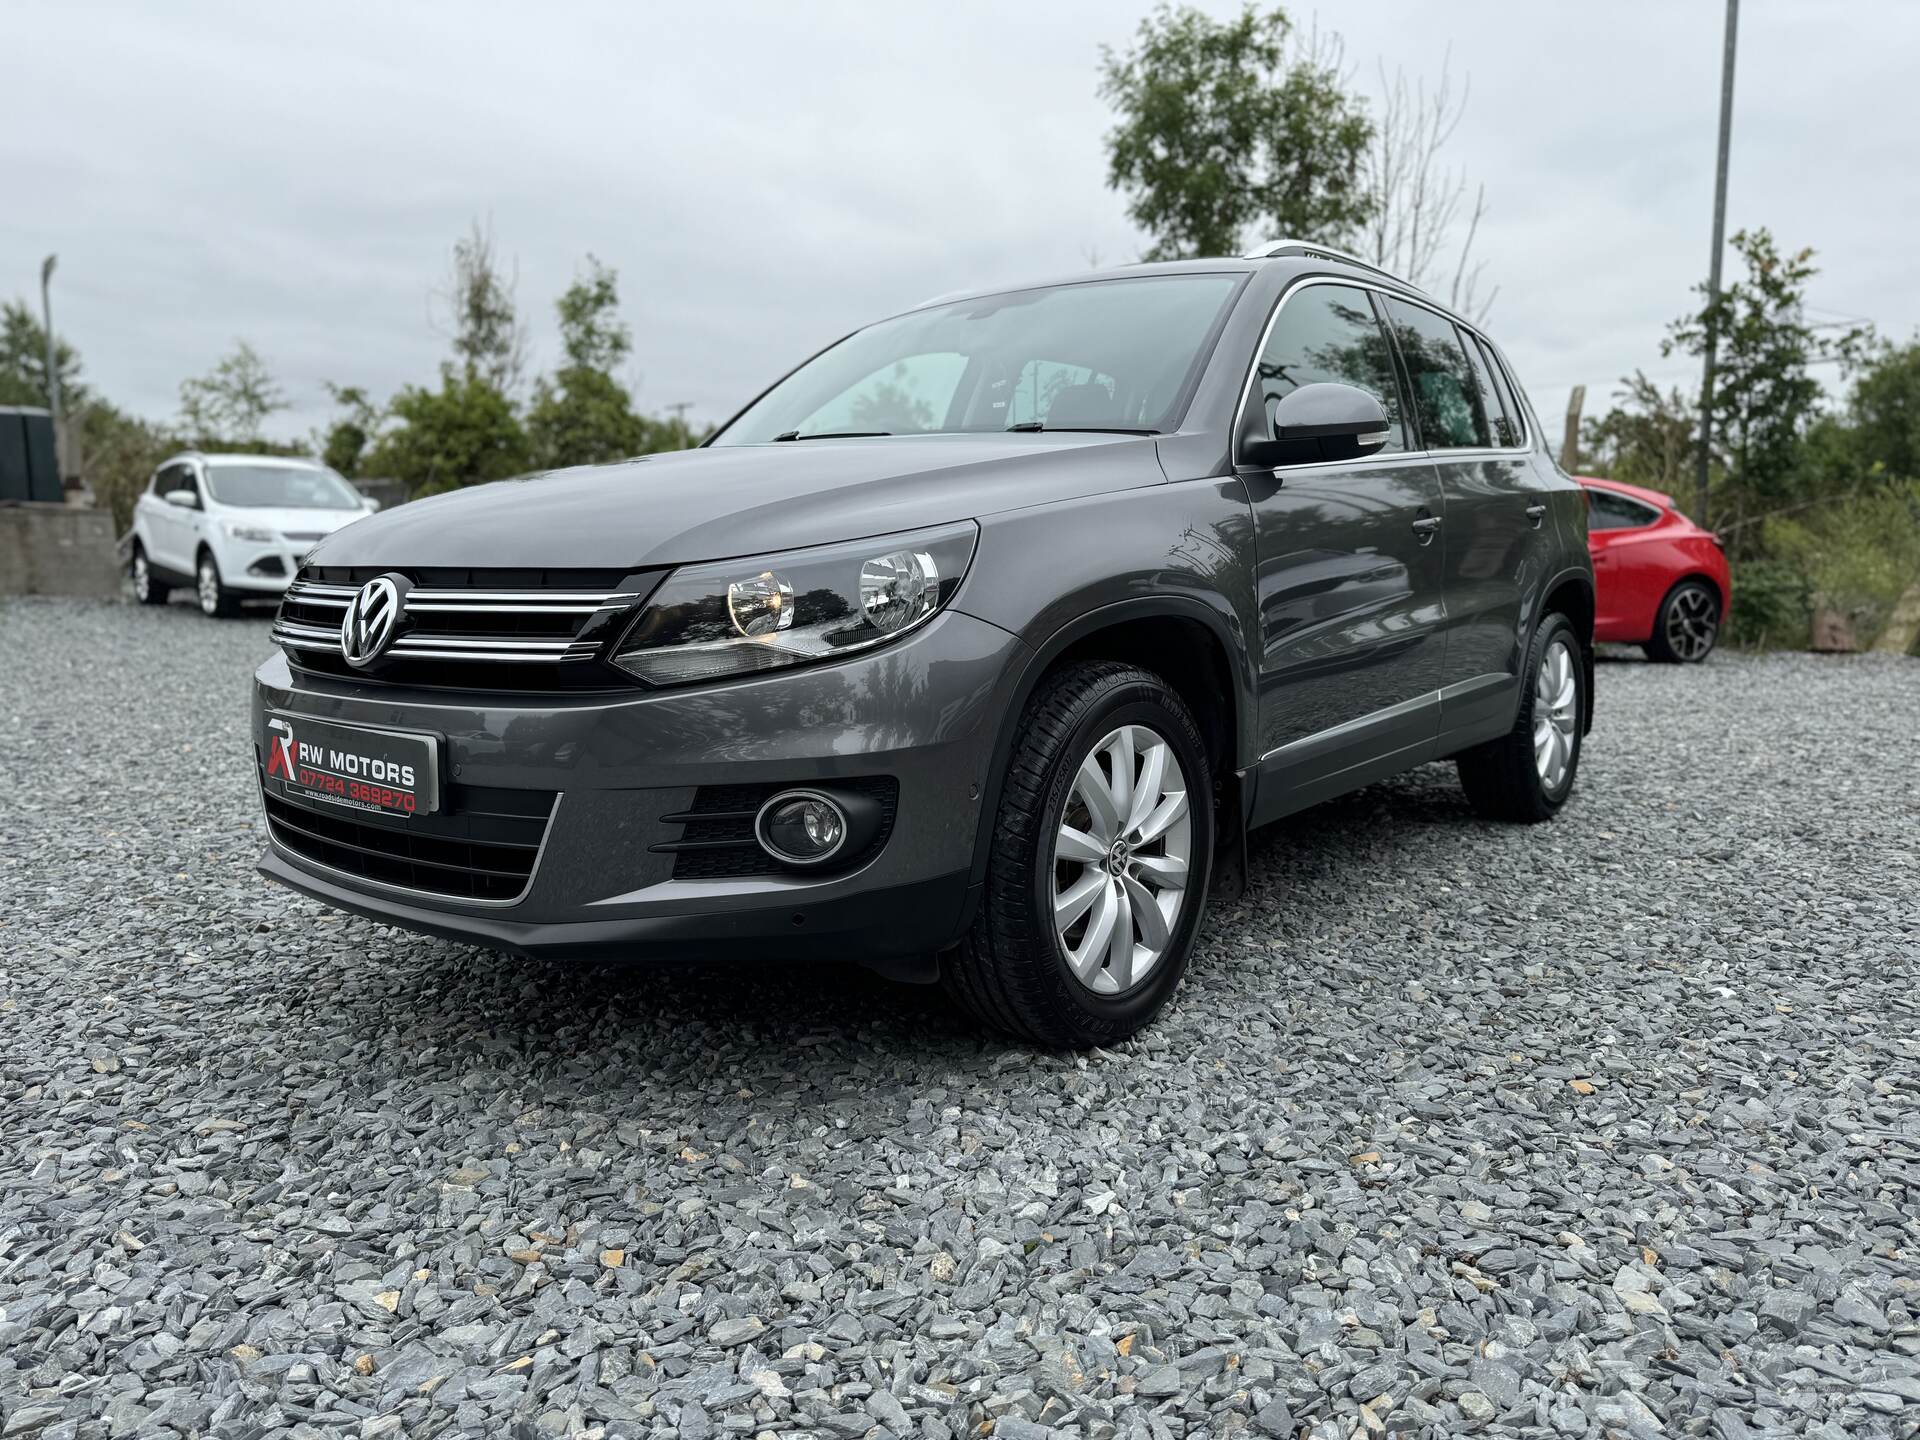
(480, 846)
(716, 837)
(471, 629)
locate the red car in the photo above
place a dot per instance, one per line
(1662, 580)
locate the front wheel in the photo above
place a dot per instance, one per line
(148, 589)
(215, 599)
(1527, 774)
(1688, 625)
(1102, 849)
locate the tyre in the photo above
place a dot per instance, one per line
(1687, 626)
(1101, 852)
(214, 597)
(148, 588)
(1528, 773)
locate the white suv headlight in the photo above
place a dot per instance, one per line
(238, 531)
(738, 617)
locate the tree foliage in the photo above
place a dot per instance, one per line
(1765, 395)
(464, 433)
(1646, 439)
(488, 342)
(1225, 124)
(227, 408)
(23, 361)
(343, 443)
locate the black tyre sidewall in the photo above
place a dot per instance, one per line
(1658, 648)
(1130, 704)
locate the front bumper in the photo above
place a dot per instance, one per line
(924, 712)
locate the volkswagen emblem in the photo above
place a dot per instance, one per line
(366, 630)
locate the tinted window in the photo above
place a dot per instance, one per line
(1328, 333)
(177, 477)
(1610, 510)
(1499, 427)
(1445, 398)
(961, 367)
(1516, 422)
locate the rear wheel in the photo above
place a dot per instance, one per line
(1102, 848)
(1688, 625)
(215, 599)
(1527, 774)
(148, 588)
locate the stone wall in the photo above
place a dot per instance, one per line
(58, 550)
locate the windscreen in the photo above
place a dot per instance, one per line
(1096, 355)
(281, 487)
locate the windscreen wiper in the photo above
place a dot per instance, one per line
(831, 435)
(1034, 427)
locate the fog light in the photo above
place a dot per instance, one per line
(801, 827)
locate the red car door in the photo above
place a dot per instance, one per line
(1630, 565)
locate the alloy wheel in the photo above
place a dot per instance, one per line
(1556, 715)
(209, 587)
(142, 577)
(1120, 860)
(1693, 623)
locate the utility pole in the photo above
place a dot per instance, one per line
(679, 409)
(53, 369)
(1713, 270)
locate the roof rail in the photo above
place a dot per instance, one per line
(1312, 250)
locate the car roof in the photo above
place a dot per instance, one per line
(224, 457)
(1638, 492)
(1296, 255)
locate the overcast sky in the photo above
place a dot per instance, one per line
(764, 177)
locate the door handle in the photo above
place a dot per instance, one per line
(1536, 513)
(1425, 526)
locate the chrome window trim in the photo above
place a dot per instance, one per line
(1396, 292)
(434, 898)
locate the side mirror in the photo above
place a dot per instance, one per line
(1316, 422)
(185, 499)
(369, 504)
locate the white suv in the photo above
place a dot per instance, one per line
(234, 526)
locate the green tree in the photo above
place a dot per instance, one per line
(1765, 396)
(582, 415)
(488, 341)
(227, 408)
(23, 361)
(1883, 411)
(1648, 438)
(1222, 124)
(464, 433)
(118, 455)
(343, 443)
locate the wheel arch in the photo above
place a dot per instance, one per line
(1181, 639)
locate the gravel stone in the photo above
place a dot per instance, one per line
(250, 1141)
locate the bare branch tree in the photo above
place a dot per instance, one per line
(1418, 199)
(481, 319)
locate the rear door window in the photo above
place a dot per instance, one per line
(1499, 426)
(1329, 333)
(1610, 510)
(1446, 399)
(1509, 402)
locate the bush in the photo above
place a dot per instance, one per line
(1772, 606)
(1855, 556)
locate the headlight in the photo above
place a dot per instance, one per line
(237, 531)
(738, 617)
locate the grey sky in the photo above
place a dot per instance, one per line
(764, 177)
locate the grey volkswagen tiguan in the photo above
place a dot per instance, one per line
(971, 649)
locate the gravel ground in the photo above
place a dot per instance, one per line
(1603, 1127)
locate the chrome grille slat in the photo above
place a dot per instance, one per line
(452, 636)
